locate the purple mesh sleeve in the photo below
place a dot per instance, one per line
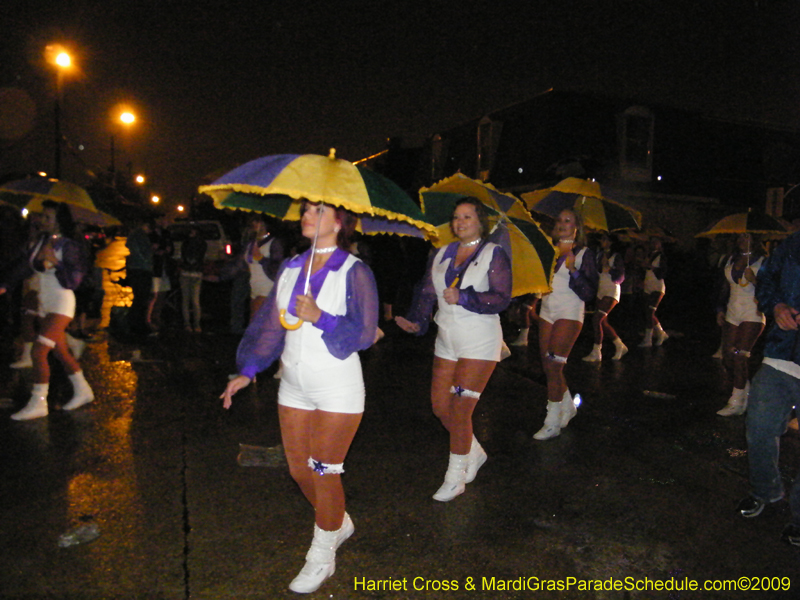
(71, 268)
(355, 330)
(583, 281)
(497, 298)
(263, 339)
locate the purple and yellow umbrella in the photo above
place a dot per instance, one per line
(274, 185)
(586, 199)
(752, 222)
(29, 194)
(529, 248)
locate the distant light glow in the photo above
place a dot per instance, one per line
(140, 179)
(180, 207)
(519, 170)
(576, 400)
(24, 213)
(228, 249)
(127, 118)
(42, 174)
(659, 178)
(63, 60)
(155, 199)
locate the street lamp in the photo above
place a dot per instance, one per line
(127, 118)
(59, 57)
(155, 199)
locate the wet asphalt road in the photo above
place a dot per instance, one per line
(636, 487)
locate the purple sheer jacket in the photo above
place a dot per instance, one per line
(355, 330)
(69, 271)
(493, 301)
(584, 280)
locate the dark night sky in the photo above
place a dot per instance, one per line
(217, 86)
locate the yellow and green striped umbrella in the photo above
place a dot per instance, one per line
(532, 254)
(746, 222)
(586, 199)
(274, 185)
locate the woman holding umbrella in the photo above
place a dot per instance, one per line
(739, 317)
(561, 317)
(317, 330)
(470, 280)
(57, 262)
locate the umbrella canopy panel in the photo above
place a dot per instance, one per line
(746, 222)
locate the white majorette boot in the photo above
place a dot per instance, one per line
(454, 479)
(552, 422)
(621, 351)
(81, 392)
(522, 338)
(37, 405)
(647, 342)
(25, 360)
(660, 336)
(477, 456)
(320, 560)
(76, 346)
(568, 409)
(595, 355)
(737, 403)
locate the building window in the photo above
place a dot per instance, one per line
(636, 144)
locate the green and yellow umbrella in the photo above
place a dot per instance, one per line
(752, 222)
(532, 254)
(275, 184)
(586, 199)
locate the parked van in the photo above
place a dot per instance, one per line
(219, 248)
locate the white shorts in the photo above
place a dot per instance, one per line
(53, 298)
(743, 310)
(653, 284)
(555, 311)
(481, 339)
(161, 284)
(338, 390)
(607, 288)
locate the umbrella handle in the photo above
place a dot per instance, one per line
(289, 326)
(455, 283)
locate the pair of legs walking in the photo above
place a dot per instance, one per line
(555, 343)
(653, 326)
(737, 343)
(601, 326)
(456, 388)
(53, 338)
(316, 443)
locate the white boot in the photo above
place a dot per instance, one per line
(477, 456)
(522, 338)
(25, 360)
(621, 351)
(552, 422)
(320, 561)
(81, 392)
(647, 342)
(76, 346)
(660, 336)
(454, 479)
(595, 355)
(568, 409)
(37, 405)
(737, 403)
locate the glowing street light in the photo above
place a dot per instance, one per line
(155, 199)
(140, 179)
(127, 118)
(58, 56)
(180, 207)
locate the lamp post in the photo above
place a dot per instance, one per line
(126, 118)
(62, 61)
